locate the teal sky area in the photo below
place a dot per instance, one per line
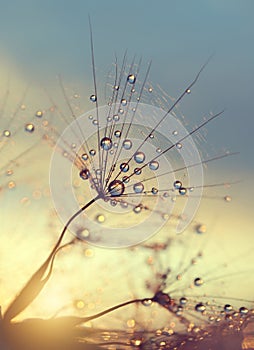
(44, 38)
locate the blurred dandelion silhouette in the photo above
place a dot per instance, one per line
(127, 174)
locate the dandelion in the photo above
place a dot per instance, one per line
(119, 174)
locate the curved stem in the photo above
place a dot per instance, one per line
(35, 284)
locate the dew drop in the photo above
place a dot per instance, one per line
(106, 143)
(126, 179)
(131, 78)
(124, 167)
(137, 209)
(201, 228)
(6, 133)
(117, 133)
(39, 114)
(116, 188)
(11, 185)
(153, 165)
(29, 127)
(188, 91)
(116, 117)
(227, 198)
(175, 132)
(154, 190)
(93, 98)
(150, 89)
(139, 157)
(200, 307)
(183, 301)
(95, 122)
(182, 191)
(179, 145)
(116, 87)
(92, 152)
(123, 102)
(138, 187)
(84, 174)
(113, 202)
(137, 171)
(83, 233)
(243, 310)
(158, 150)
(147, 302)
(228, 308)
(100, 218)
(198, 281)
(177, 184)
(84, 156)
(127, 144)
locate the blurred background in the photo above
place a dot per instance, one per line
(41, 39)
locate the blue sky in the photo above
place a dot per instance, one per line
(44, 38)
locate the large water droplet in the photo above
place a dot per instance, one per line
(138, 187)
(29, 127)
(153, 165)
(84, 174)
(139, 157)
(116, 188)
(124, 167)
(131, 79)
(127, 144)
(93, 98)
(106, 143)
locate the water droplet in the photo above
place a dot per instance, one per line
(179, 145)
(121, 111)
(23, 107)
(147, 302)
(200, 307)
(116, 87)
(83, 233)
(182, 191)
(138, 187)
(154, 190)
(39, 114)
(131, 323)
(124, 102)
(95, 122)
(228, 308)
(139, 157)
(106, 143)
(158, 150)
(177, 184)
(201, 228)
(116, 117)
(113, 202)
(6, 133)
(137, 171)
(127, 144)
(100, 218)
(131, 79)
(188, 91)
(117, 133)
(79, 304)
(183, 300)
(153, 165)
(84, 156)
(243, 310)
(124, 205)
(29, 127)
(116, 188)
(92, 152)
(84, 174)
(150, 89)
(124, 167)
(151, 136)
(227, 198)
(137, 209)
(93, 98)
(11, 185)
(175, 132)
(90, 117)
(198, 282)
(126, 179)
